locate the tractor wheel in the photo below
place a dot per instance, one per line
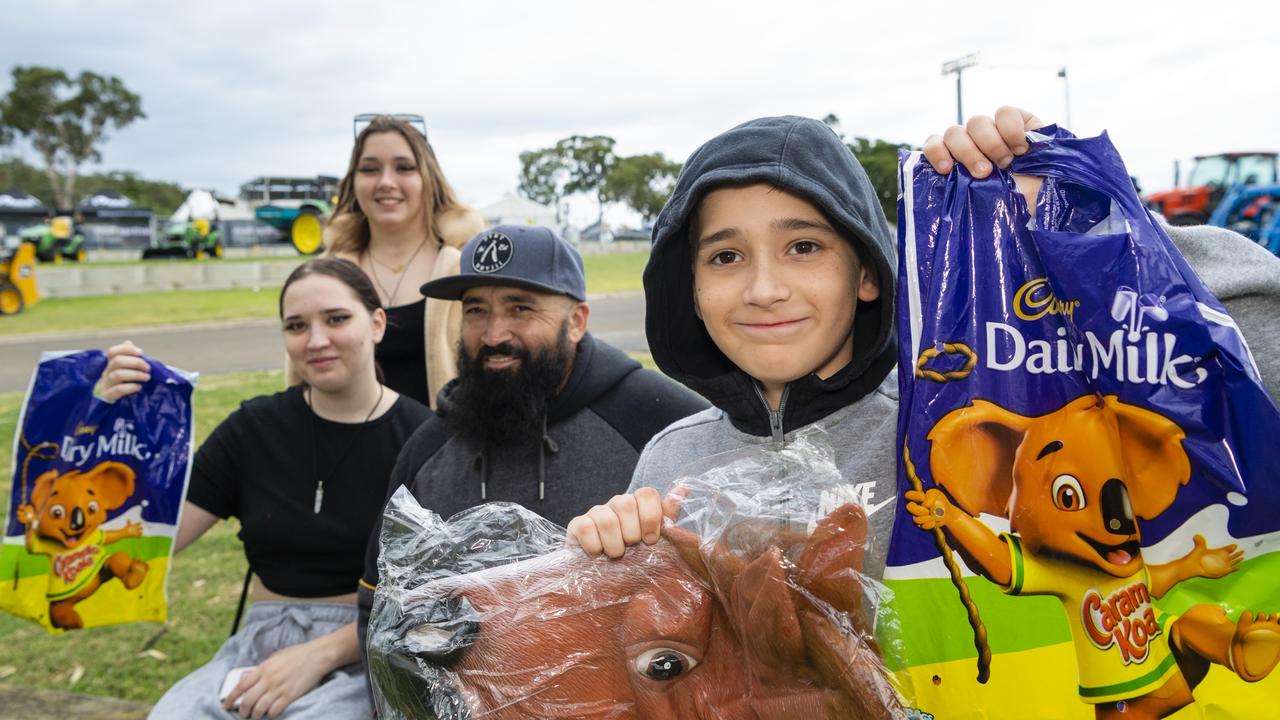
(11, 302)
(217, 250)
(307, 232)
(46, 254)
(80, 255)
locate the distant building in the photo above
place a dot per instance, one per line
(596, 232)
(515, 210)
(592, 233)
(644, 234)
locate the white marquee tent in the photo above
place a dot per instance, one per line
(515, 210)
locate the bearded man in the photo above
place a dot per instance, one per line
(541, 413)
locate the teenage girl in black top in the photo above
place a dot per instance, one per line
(305, 471)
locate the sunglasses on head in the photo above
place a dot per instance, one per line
(362, 121)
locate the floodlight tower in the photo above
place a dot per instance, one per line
(958, 66)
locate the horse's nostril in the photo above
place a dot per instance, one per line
(1117, 513)
(440, 629)
(77, 519)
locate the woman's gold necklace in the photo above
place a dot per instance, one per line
(398, 270)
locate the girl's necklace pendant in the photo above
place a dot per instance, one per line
(319, 497)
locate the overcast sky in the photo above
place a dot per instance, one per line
(234, 89)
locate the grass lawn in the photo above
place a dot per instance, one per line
(104, 312)
(605, 274)
(619, 272)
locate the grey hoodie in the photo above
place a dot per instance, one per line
(595, 427)
(858, 406)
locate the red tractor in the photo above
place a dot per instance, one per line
(1211, 178)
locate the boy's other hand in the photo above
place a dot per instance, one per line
(125, 373)
(625, 520)
(982, 141)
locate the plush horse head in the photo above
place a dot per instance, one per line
(761, 624)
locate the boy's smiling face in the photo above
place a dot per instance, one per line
(776, 285)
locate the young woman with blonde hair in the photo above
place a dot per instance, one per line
(400, 221)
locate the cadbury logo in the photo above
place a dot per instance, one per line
(1035, 299)
(1132, 353)
(122, 441)
(1124, 619)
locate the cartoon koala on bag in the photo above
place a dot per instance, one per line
(64, 523)
(1070, 483)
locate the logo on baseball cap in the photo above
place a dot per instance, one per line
(492, 253)
(524, 256)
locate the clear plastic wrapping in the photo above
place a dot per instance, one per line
(751, 606)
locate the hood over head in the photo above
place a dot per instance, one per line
(806, 158)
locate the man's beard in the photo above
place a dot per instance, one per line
(507, 407)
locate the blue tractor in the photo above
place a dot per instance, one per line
(1251, 210)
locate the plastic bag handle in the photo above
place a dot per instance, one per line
(1093, 162)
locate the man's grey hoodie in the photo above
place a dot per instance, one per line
(857, 406)
(595, 428)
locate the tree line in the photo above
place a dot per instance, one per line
(587, 165)
(65, 119)
(162, 197)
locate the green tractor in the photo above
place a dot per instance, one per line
(194, 230)
(195, 238)
(296, 206)
(56, 240)
(24, 219)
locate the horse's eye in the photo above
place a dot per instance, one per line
(664, 663)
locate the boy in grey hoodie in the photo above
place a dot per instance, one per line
(765, 215)
(769, 291)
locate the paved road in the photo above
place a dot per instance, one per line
(24, 703)
(255, 345)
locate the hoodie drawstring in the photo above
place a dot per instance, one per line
(544, 444)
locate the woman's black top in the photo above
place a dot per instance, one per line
(258, 466)
(402, 354)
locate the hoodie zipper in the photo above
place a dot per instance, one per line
(775, 416)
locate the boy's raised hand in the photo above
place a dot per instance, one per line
(625, 520)
(982, 141)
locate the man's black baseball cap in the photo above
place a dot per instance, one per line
(524, 256)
